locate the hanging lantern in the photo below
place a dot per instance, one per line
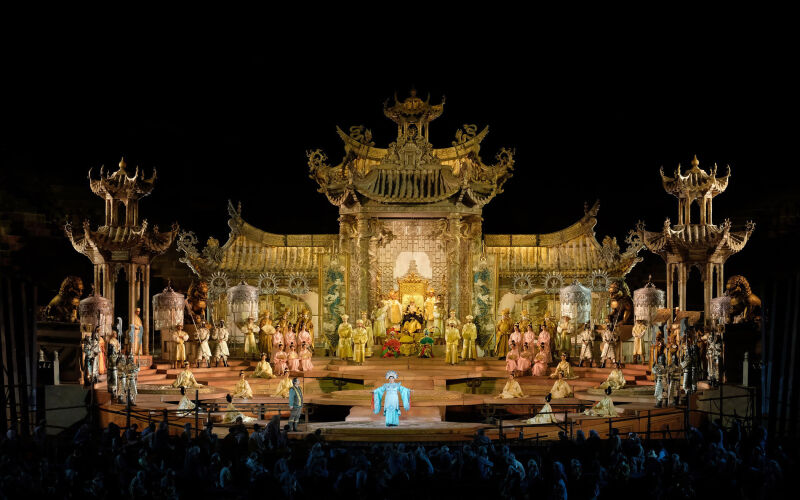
(95, 311)
(168, 309)
(646, 302)
(576, 302)
(721, 309)
(243, 302)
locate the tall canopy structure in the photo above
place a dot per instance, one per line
(122, 242)
(695, 242)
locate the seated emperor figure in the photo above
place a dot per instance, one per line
(391, 392)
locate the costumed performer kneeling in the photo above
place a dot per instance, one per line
(242, 389)
(185, 405)
(263, 369)
(512, 389)
(563, 368)
(231, 413)
(545, 415)
(604, 407)
(282, 391)
(186, 378)
(561, 389)
(616, 379)
(391, 392)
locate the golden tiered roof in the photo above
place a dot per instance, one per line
(699, 240)
(410, 171)
(413, 110)
(572, 251)
(695, 182)
(119, 185)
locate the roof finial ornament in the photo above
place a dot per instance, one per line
(122, 164)
(695, 161)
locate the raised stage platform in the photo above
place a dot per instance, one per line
(449, 402)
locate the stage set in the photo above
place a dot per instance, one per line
(525, 329)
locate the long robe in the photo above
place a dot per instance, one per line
(186, 406)
(565, 369)
(545, 416)
(265, 337)
(203, 350)
(293, 360)
(561, 389)
(282, 391)
(391, 393)
(503, 333)
(512, 389)
(586, 340)
(540, 364)
(279, 362)
(231, 413)
(395, 312)
(221, 335)
(379, 325)
(615, 380)
(186, 380)
(544, 337)
(360, 338)
(242, 390)
(470, 334)
(562, 337)
(180, 337)
(263, 370)
(250, 345)
(603, 408)
(511, 360)
(452, 337)
(524, 361)
(638, 332)
(305, 360)
(343, 350)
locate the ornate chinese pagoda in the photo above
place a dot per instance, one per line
(695, 243)
(410, 213)
(122, 242)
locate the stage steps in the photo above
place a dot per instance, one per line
(415, 414)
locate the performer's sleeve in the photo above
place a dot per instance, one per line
(405, 394)
(377, 394)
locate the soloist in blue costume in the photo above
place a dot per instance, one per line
(391, 393)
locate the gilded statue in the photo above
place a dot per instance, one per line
(745, 305)
(620, 303)
(64, 306)
(196, 300)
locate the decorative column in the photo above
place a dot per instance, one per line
(362, 261)
(682, 286)
(670, 279)
(454, 259)
(146, 312)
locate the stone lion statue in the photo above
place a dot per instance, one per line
(745, 305)
(64, 306)
(620, 303)
(196, 299)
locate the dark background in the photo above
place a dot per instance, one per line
(587, 122)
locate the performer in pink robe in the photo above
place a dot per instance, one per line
(544, 338)
(290, 337)
(279, 359)
(293, 360)
(305, 359)
(515, 337)
(277, 340)
(529, 337)
(524, 361)
(512, 358)
(304, 337)
(540, 362)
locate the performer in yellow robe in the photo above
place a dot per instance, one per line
(604, 407)
(561, 389)
(360, 338)
(250, 330)
(545, 415)
(180, 337)
(512, 389)
(266, 334)
(469, 333)
(242, 389)
(395, 310)
(379, 315)
(186, 378)
(185, 406)
(638, 332)
(231, 413)
(524, 321)
(345, 331)
(615, 380)
(370, 335)
(263, 368)
(503, 333)
(438, 321)
(451, 337)
(427, 309)
(282, 391)
(563, 368)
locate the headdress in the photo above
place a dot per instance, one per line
(469, 317)
(391, 373)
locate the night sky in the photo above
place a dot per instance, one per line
(223, 124)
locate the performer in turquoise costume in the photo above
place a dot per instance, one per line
(393, 391)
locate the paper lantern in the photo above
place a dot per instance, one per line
(168, 309)
(646, 303)
(576, 302)
(95, 311)
(243, 302)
